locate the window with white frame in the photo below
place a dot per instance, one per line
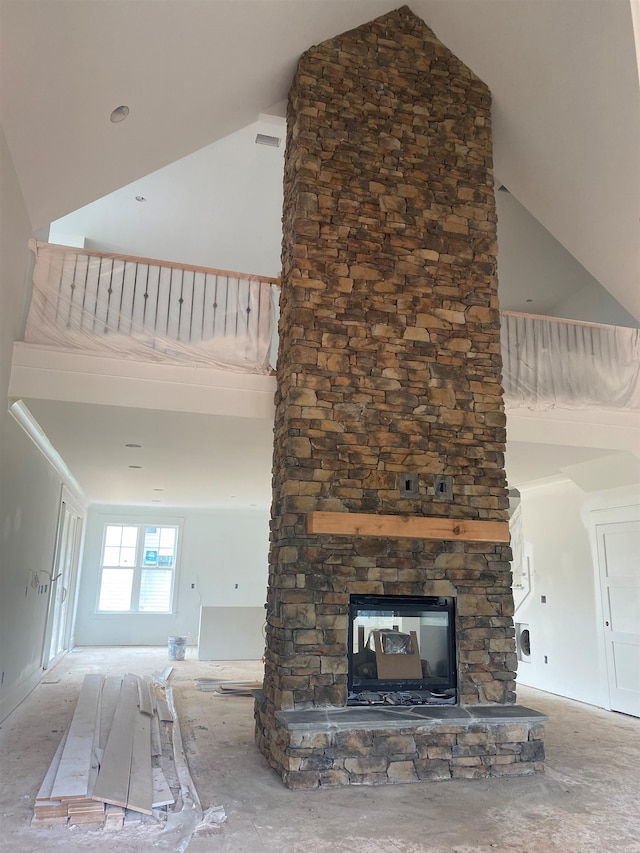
(137, 568)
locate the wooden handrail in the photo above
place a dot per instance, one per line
(156, 262)
(561, 320)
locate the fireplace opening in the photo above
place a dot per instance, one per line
(401, 650)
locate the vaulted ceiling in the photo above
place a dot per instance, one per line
(563, 74)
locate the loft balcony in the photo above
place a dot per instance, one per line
(140, 333)
(176, 336)
(150, 310)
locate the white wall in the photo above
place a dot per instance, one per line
(229, 193)
(593, 304)
(536, 274)
(15, 231)
(29, 487)
(567, 628)
(220, 548)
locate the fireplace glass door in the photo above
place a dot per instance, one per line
(401, 650)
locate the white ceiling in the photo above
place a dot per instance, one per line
(527, 461)
(200, 75)
(198, 461)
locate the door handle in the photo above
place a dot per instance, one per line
(65, 590)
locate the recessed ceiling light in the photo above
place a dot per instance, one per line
(158, 490)
(140, 198)
(119, 114)
(133, 445)
(135, 466)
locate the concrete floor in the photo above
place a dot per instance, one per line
(587, 800)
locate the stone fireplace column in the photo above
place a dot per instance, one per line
(389, 363)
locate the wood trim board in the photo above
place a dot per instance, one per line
(112, 784)
(156, 741)
(44, 793)
(144, 696)
(162, 710)
(72, 776)
(140, 795)
(162, 795)
(110, 693)
(96, 752)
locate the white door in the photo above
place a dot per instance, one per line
(63, 577)
(619, 561)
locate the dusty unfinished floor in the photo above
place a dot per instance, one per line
(588, 799)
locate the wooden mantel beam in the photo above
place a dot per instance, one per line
(406, 527)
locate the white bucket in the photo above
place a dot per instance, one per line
(177, 648)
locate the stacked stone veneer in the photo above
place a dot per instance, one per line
(321, 756)
(389, 361)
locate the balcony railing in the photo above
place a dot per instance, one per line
(150, 309)
(567, 364)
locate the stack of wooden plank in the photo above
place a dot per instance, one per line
(220, 687)
(105, 761)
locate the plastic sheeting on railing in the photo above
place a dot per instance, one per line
(150, 310)
(569, 365)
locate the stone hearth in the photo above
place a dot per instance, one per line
(372, 746)
(389, 376)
